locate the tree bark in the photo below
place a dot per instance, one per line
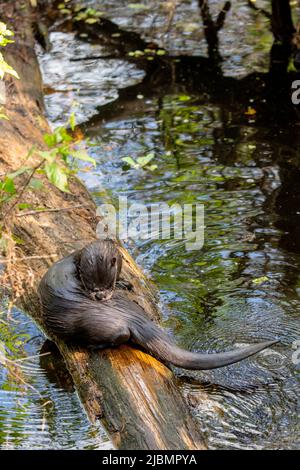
(133, 394)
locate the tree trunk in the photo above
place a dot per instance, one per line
(133, 394)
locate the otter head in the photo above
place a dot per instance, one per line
(99, 266)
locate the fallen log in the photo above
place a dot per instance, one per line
(133, 394)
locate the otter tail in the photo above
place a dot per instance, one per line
(155, 341)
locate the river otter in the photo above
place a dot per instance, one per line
(81, 305)
(98, 267)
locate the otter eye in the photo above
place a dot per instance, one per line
(113, 261)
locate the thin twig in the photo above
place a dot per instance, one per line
(58, 209)
(170, 18)
(25, 258)
(252, 5)
(34, 169)
(31, 357)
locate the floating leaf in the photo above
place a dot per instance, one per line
(66, 11)
(184, 98)
(260, 280)
(138, 6)
(130, 162)
(91, 20)
(250, 111)
(143, 161)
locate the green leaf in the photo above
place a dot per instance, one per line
(23, 206)
(152, 167)
(130, 162)
(91, 20)
(83, 156)
(50, 140)
(142, 161)
(161, 52)
(19, 240)
(3, 116)
(62, 135)
(184, 98)
(50, 155)
(35, 184)
(260, 280)
(138, 6)
(72, 121)
(5, 68)
(8, 186)
(20, 171)
(57, 176)
(4, 31)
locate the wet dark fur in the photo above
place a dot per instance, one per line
(99, 266)
(80, 305)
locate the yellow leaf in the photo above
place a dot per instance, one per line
(250, 111)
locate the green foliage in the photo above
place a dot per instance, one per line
(2, 114)
(260, 280)
(5, 68)
(5, 34)
(138, 6)
(58, 163)
(141, 162)
(89, 16)
(147, 53)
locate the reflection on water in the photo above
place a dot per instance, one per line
(35, 412)
(242, 287)
(78, 78)
(151, 18)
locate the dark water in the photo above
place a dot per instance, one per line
(242, 286)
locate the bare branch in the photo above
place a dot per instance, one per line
(252, 5)
(222, 15)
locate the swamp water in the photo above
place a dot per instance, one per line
(242, 287)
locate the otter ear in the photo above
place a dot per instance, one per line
(113, 261)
